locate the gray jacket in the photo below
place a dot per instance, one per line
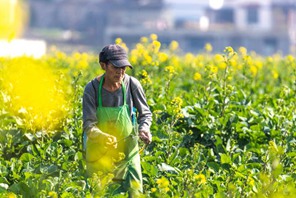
(135, 98)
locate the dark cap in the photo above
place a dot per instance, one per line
(116, 55)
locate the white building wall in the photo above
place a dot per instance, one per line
(264, 15)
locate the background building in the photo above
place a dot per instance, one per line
(266, 27)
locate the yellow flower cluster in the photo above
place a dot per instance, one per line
(79, 61)
(145, 79)
(208, 47)
(243, 51)
(163, 184)
(197, 76)
(155, 46)
(144, 39)
(214, 69)
(177, 102)
(275, 74)
(254, 70)
(119, 41)
(251, 181)
(153, 37)
(200, 178)
(229, 51)
(170, 69)
(53, 194)
(174, 45)
(162, 57)
(147, 54)
(220, 61)
(177, 107)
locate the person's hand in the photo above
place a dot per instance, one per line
(111, 141)
(145, 136)
(96, 135)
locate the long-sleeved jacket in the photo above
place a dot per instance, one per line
(135, 98)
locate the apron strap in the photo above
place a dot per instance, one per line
(100, 92)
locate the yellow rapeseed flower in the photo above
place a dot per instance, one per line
(269, 59)
(218, 58)
(177, 107)
(166, 189)
(175, 61)
(251, 181)
(275, 74)
(80, 61)
(53, 194)
(189, 59)
(222, 65)
(197, 76)
(133, 59)
(153, 190)
(156, 46)
(243, 51)
(208, 47)
(144, 74)
(118, 41)
(60, 55)
(155, 63)
(235, 64)
(258, 64)
(174, 45)
(170, 69)
(177, 101)
(247, 60)
(144, 39)
(162, 57)
(140, 48)
(153, 37)
(163, 182)
(290, 58)
(11, 195)
(200, 178)
(145, 79)
(254, 70)
(229, 51)
(213, 69)
(147, 59)
(76, 56)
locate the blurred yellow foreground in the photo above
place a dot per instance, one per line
(13, 20)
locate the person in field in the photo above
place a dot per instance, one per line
(110, 127)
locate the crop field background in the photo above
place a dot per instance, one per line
(224, 125)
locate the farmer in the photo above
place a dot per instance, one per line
(111, 130)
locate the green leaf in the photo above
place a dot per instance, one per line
(225, 159)
(26, 157)
(149, 169)
(213, 167)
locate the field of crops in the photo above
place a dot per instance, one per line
(224, 125)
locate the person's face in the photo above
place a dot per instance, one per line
(114, 74)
